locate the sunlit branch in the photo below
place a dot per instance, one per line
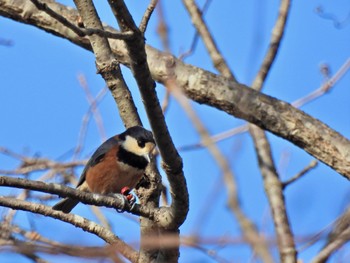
(248, 228)
(217, 58)
(79, 31)
(78, 221)
(147, 15)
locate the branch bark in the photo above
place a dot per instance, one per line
(172, 162)
(236, 99)
(272, 183)
(75, 220)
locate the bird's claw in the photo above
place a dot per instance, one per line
(127, 198)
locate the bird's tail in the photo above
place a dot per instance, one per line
(66, 205)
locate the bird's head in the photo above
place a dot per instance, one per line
(139, 141)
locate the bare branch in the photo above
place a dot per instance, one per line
(326, 87)
(196, 35)
(79, 31)
(331, 247)
(162, 28)
(217, 58)
(272, 184)
(248, 228)
(339, 235)
(216, 91)
(75, 220)
(117, 201)
(85, 121)
(172, 162)
(275, 41)
(93, 106)
(107, 65)
(147, 16)
(274, 192)
(41, 164)
(312, 165)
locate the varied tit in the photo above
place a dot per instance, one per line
(118, 164)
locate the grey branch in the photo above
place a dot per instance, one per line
(75, 220)
(236, 99)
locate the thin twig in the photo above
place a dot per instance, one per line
(80, 31)
(312, 165)
(195, 39)
(275, 41)
(326, 87)
(162, 28)
(217, 58)
(93, 105)
(85, 121)
(147, 16)
(333, 246)
(42, 164)
(217, 137)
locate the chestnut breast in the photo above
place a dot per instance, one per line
(110, 175)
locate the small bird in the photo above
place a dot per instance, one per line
(118, 164)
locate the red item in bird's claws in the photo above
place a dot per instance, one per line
(126, 191)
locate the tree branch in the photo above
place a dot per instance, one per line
(79, 31)
(147, 15)
(247, 227)
(172, 162)
(272, 183)
(198, 21)
(117, 201)
(75, 220)
(236, 99)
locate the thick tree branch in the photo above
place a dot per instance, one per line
(117, 201)
(107, 65)
(236, 99)
(158, 215)
(172, 162)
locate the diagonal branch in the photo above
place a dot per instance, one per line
(172, 162)
(107, 66)
(78, 221)
(248, 228)
(79, 31)
(236, 99)
(198, 21)
(146, 17)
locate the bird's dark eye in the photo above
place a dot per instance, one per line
(141, 143)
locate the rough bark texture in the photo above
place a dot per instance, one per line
(236, 99)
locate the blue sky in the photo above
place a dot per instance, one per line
(42, 105)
